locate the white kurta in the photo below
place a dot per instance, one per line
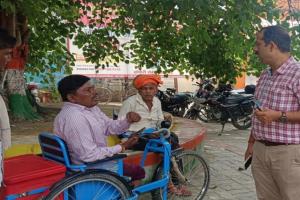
(149, 118)
(5, 133)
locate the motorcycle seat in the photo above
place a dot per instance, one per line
(237, 99)
(199, 100)
(179, 98)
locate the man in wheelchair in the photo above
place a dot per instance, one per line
(84, 127)
(148, 106)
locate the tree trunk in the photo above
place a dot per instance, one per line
(19, 105)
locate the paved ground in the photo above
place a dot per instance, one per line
(225, 154)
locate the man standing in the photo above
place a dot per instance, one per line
(275, 135)
(6, 44)
(84, 127)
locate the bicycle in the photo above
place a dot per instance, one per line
(127, 90)
(104, 95)
(106, 90)
(84, 183)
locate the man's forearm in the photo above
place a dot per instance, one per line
(268, 116)
(290, 116)
(251, 139)
(293, 116)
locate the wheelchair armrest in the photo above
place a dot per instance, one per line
(114, 157)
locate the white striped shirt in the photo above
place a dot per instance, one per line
(85, 131)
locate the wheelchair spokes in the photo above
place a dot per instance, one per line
(92, 186)
(196, 177)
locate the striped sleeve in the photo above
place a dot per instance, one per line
(76, 131)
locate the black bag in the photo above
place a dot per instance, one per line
(141, 144)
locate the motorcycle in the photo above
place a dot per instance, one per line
(205, 88)
(174, 103)
(222, 106)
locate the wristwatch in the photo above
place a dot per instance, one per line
(283, 117)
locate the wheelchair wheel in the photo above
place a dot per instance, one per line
(90, 185)
(195, 171)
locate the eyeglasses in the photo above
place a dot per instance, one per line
(89, 90)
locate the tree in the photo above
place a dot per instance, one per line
(18, 19)
(214, 38)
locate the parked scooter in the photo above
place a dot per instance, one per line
(174, 103)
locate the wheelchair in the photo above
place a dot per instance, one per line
(104, 180)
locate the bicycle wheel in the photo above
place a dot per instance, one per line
(104, 95)
(195, 171)
(128, 93)
(203, 114)
(191, 114)
(242, 123)
(90, 185)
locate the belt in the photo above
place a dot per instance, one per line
(268, 143)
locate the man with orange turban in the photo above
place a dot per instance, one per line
(141, 80)
(144, 102)
(148, 106)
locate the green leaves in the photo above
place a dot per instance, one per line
(214, 38)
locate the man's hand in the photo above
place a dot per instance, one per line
(266, 116)
(133, 117)
(249, 150)
(130, 142)
(168, 117)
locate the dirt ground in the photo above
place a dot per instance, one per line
(23, 131)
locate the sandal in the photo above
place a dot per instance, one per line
(184, 190)
(178, 191)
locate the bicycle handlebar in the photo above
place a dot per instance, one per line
(164, 132)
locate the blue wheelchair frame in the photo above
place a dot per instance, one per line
(54, 148)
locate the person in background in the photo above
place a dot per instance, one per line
(144, 102)
(148, 106)
(7, 42)
(274, 142)
(84, 127)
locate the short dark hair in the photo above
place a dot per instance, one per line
(71, 83)
(279, 36)
(6, 41)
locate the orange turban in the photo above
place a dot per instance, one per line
(141, 80)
